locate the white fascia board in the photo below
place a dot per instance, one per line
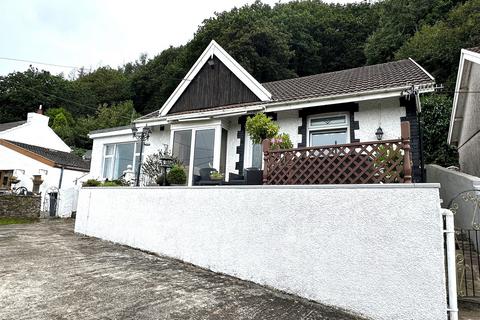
(215, 113)
(471, 56)
(454, 119)
(421, 68)
(355, 97)
(110, 133)
(214, 49)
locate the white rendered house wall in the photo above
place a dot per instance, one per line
(25, 167)
(385, 113)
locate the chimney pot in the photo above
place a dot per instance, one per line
(40, 110)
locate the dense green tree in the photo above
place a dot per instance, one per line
(154, 81)
(105, 86)
(435, 119)
(116, 115)
(23, 92)
(63, 123)
(437, 47)
(399, 20)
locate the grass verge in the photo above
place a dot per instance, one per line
(16, 220)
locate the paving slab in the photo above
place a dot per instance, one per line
(49, 272)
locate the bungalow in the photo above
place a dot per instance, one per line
(203, 121)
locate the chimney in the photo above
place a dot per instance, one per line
(40, 110)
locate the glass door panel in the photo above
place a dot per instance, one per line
(123, 158)
(182, 143)
(204, 150)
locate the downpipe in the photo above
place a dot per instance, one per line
(451, 264)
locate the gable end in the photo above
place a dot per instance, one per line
(213, 87)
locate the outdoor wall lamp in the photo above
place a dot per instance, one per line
(379, 133)
(141, 136)
(211, 62)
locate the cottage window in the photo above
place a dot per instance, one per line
(328, 130)
(117, 157)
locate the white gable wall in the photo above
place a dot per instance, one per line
(36, 132)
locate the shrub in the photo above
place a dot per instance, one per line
(281, 141)
(110, 184)
(91, 183)
(260, 127)
(155, 164)
(177, 175)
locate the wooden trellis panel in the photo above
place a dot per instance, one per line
(385, 161)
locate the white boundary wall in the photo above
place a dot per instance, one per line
(375, 250)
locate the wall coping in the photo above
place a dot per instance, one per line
(321, 186)
(454, 172)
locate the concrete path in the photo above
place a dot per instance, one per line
(48, 272)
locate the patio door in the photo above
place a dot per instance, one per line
(197, 148)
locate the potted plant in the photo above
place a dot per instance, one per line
(177, 176)
(14, 180)
(216, 176)
(260, 127)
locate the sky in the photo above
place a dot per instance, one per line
(94, 33)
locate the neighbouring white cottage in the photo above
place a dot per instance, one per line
(203, 121)
(31, 148)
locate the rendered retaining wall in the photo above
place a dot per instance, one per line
(453, 186)
(19, 206)
(375, 250)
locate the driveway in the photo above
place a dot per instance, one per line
(48, 272)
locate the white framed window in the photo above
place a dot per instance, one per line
(117, 157)
(328, 129)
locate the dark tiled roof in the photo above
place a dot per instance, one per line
(369, 78)
(475, 49)
(363, 79)
(10, 125)
(59, 157)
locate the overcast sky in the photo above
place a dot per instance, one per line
(95, 33)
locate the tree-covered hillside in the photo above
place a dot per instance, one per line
(287, 40)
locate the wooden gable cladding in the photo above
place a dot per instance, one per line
(213, 87)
